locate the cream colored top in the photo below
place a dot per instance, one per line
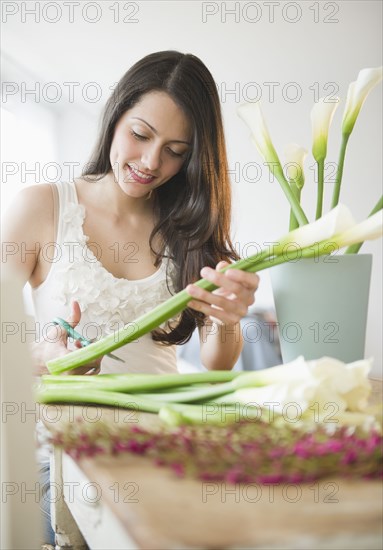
(107, 303)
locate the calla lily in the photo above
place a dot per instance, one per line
(311, 386)
(357, 94)
(295, 157)
(335, 222)
(251, 114)
(321, 117)
(369, 229)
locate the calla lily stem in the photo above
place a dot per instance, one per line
(319, 209)
(297, 192)
(339, 173)
(295, 206)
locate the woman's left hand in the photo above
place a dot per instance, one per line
(229, 303)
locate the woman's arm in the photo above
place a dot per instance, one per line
(220, 345)
(27, 227)
(220, 337)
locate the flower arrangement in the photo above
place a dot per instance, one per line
(321, 117)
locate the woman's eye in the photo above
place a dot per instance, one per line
(174, 154)
(144, 138)
(138, 136)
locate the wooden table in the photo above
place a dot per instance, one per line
(127, 502)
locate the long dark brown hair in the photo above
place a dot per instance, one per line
(193, 208)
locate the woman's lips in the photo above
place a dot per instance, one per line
(140, 179)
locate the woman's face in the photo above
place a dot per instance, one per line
(150, 144)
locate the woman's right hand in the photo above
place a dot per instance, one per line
(55, 346)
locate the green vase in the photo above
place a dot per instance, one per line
(321, 306)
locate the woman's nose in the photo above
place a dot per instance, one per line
(151, 158)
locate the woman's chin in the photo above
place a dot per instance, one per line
(134, 190)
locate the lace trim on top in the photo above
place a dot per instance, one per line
(108, 301)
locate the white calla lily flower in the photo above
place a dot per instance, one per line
(357, 94)
(321, 116)
(327, 386)
(295, 157)
(367, 230)
(252, 116)
(335, 222)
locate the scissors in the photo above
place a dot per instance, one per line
(77, 336)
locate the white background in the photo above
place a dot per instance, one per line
(307, 49)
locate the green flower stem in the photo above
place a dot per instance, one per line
(297, 192)
(144, 324)
(321, 249)
(295, 206)
(65, 394)
(354, 248)
(320, 164)
(244, 380)
(198, 394)
(138, 383)
(339, 173)
(208, 413)
(132, 331)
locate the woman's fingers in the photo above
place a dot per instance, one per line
(231, 305)
(230, 301)
(218, 315)
(55, 345)
(75, 315)
(86, 370)
(248, 280)
(90, 368)
(234, 280)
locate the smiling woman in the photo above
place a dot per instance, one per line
(151, 209)
(150, 212)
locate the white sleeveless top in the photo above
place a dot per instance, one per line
(107, 303)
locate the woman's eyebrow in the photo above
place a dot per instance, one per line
(155, 131)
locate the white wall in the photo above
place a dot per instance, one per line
(319, 53)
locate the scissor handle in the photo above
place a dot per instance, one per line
(71, 331)
(77, 336)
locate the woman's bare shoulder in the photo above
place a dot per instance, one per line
(27, 225)
(38, 197)
(31, 208)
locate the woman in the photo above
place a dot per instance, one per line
(149, 216)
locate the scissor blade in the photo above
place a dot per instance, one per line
(114, 357)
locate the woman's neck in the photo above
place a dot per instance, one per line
(107, 194)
